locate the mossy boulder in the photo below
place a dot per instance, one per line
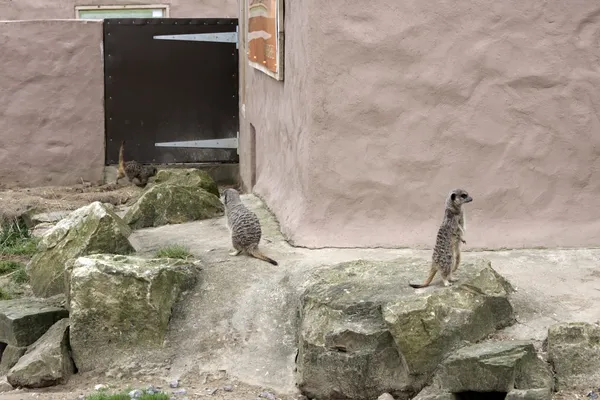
(173, 202)
(119, 303)
(188, 177)
(88, 230)
(574, 352)
(364, 331)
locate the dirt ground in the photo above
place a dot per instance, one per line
(238, 318)
(14, 202)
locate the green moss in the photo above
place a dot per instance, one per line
(174, 251)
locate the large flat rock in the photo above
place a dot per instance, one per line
(23, 321)
(364, 331)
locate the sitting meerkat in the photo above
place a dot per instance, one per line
(243, 225)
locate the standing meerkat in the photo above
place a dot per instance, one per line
(446, 253)
(133, 169)
(243, 225)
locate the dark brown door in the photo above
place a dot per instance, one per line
(169, 90)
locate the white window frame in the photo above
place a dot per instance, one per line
(164, 7)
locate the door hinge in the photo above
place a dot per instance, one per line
(219, 37)
(228, 143)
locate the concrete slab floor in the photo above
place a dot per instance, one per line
(241, 317)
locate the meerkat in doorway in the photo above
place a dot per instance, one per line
(133, 170)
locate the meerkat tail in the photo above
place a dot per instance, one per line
(254, 252)
(121, 159)
(427, 281)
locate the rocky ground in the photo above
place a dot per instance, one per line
(238, 318)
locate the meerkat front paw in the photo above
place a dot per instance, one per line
(235, 253)
(447, 283)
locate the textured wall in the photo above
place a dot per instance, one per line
(388, 107)
(281, 116)
(64, 9)
(51, 102)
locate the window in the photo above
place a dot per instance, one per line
(129, 11)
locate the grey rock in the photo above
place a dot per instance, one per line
(179, 392)
(386, 396)
(364, 331)
(267, 395)
(174, 384)
(88, 230)
(574, 352)
(152, 390)
(136, 394)
(4, 385)
(228, 388)
(494, 367)
(10, 357)
(47, 362)
(122, 302)
(529, 394)
(23, 321)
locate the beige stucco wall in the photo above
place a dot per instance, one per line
(64, 9)
(51, 102)
(386, 108)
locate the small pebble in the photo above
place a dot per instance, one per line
(385, 396)
(152, 390)
(267, 395)
(136, 394)
(228, 388)
(100, 387)
(179, 391)
(174, 384)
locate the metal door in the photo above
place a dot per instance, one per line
(170, 90)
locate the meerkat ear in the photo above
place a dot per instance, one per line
(453, 196)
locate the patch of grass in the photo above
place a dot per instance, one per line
(16, 239)
(7, 266)
(20, 276)
(4, 295)
(125, 396)
(174, 251)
